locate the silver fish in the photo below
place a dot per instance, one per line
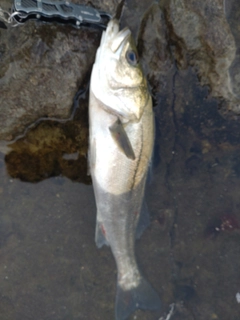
(121, 143)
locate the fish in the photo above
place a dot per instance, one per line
(121, 138)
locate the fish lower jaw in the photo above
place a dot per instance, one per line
(129, 280)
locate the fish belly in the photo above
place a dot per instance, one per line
(119, 184)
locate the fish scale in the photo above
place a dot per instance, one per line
(121, 142)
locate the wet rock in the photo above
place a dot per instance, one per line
(52, 148)
(194, 34)
(233, 12)
(109, 6)
(153, 48)
(203, 39)
(133, 13)
(41, 68)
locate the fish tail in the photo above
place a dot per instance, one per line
(141, 297)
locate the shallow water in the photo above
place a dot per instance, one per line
(50, 267)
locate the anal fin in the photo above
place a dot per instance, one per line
(100, 235)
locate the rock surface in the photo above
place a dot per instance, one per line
(190, 34)
(43, 65)
(41, 69)
(204, 40)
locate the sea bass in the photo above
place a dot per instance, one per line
(121, 142)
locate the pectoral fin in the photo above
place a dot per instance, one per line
(120, 137)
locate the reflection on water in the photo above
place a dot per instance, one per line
(50, 267)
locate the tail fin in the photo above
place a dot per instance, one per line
(141, 297)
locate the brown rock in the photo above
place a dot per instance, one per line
(41, 69)
(204, 40)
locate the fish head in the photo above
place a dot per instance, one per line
(117, 77)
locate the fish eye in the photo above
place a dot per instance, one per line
(132, 57)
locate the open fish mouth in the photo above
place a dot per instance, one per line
(113, 37)
(117, 80)
(119, 38)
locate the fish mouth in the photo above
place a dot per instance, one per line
(112, 39)
(116, 38)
